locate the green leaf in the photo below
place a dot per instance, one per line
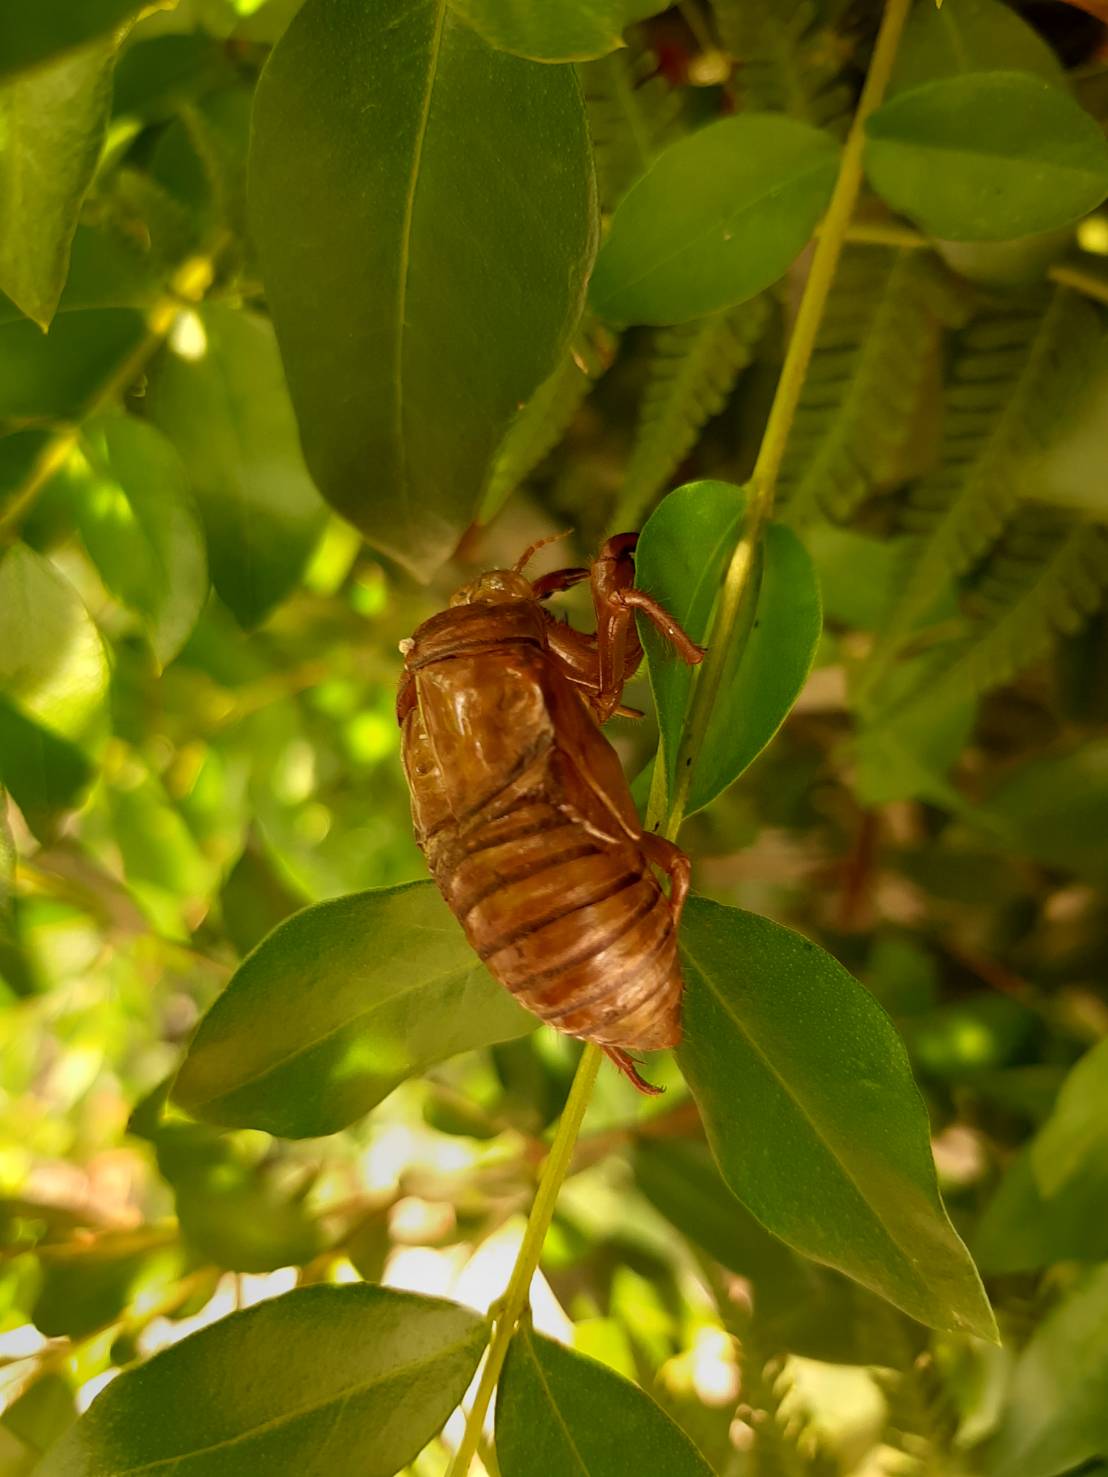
(52, 661)
(350, 1380)
(54, 376)
(30, 34)
(337, 1007)
(716, 218)
(221, 399)
(85, 1288)
(778, 1034)
(564, 1415)
(799, 1307)
(682, 555)
(1054, 807)
(986, 156)
(52, 124)
(446, 222)
(232, 1209)
(972, 36)
(1022, 1229)
(1074, 1139)
(138, 521)
(1056, 1412)
(558, 31)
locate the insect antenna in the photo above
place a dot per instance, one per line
(532, 549)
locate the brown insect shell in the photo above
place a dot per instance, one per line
(522, 809)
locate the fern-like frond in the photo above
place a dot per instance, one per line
(633, 113)
(876, 359)
(1045, 580)
(540, 424)
(787, 61)
(1018, 372)
(692, 372)
(922, 1414)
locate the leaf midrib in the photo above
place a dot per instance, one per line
(567, 1433)
(404, 1371)
(337, 1030)
(749, 206)
(405, 263)
(802, 1109)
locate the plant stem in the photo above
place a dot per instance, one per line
(734, 620)
(189, 284)
(742, 571)
(515, 1299)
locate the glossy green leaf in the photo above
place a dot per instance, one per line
(336, 1007)
(137, 519)
(220, 396)
(972, 36)
(446, 221)
(348, 1380)
(986, 156)
(1074, 1139)
(565, 1415)
(1056, 1412)
(681, 559)
(776, 1033)
(799, 1307)
(716, 218)
(555, 31)
(52, 124)
(30, 34)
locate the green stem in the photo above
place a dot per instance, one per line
(742, 571)
(190, 282)
(734, 619)
(542, 1212)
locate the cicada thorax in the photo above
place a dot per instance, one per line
(522, 810)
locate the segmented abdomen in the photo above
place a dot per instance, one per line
(574, 924)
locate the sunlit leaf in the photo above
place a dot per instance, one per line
(336, 1007)
(138, 521)
(986, 156)
(445, 207)
(53, 678)
(716, 218)
(220, 396)
(777, 1033)
(565, 1415)
(52, 124)
(682, 556)
(364, 1375)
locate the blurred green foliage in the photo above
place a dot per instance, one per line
(198, 663)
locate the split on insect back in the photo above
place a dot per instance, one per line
(523, 811)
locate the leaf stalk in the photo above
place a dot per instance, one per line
(727, 628)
